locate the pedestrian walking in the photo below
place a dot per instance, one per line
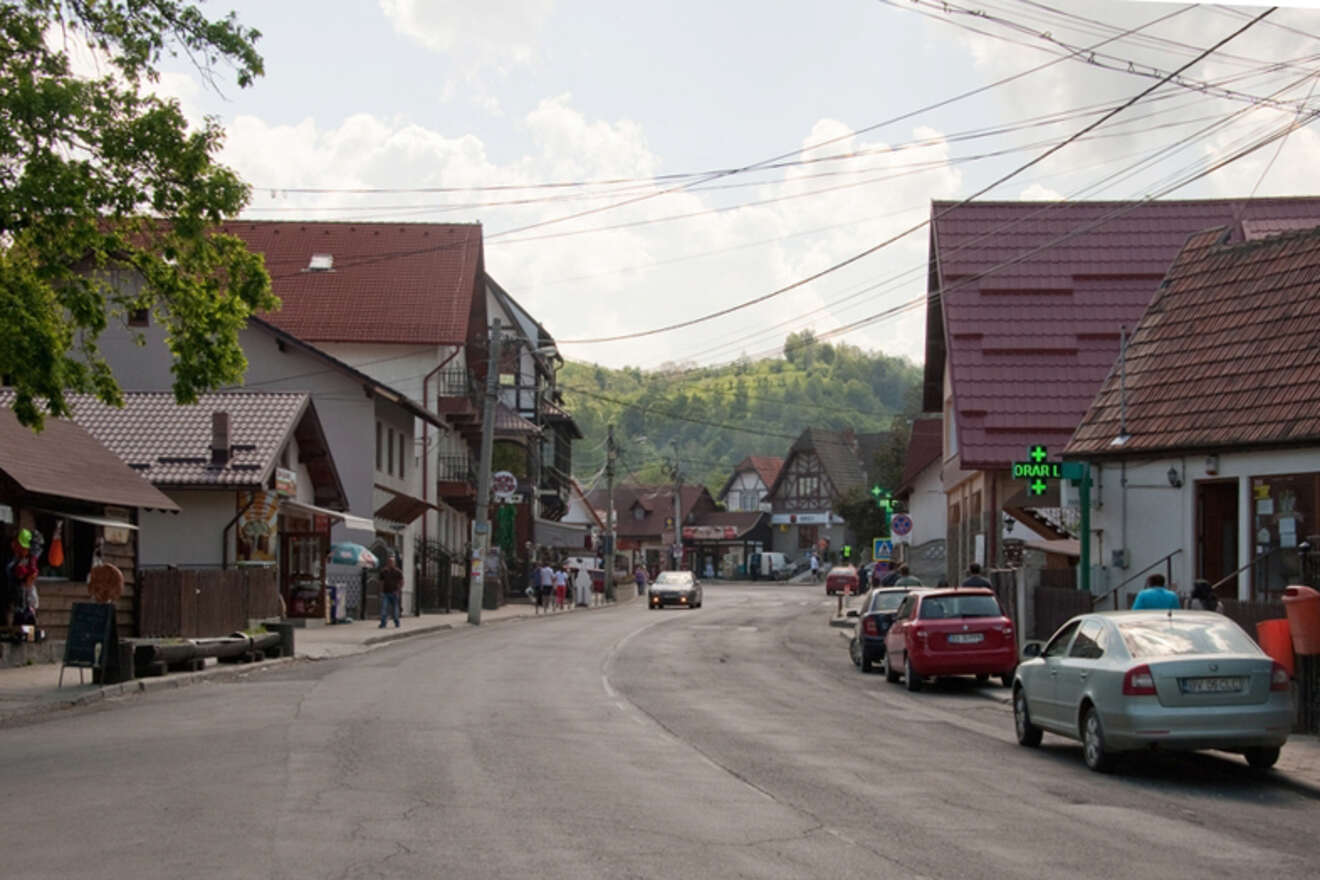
(639, 577)
(547, 586)
(815, 567)
(534, 588)
(906, 578)
(1155, 597)
(975, 578)
(582, 587)
(1204, 598)
(391, 590)
(561, 588)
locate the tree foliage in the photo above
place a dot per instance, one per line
(108, 199)
(718, 415)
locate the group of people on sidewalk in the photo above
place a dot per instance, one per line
(550, 585)
(19, 602)
(1155, 596)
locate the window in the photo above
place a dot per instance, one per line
(905, 610)
(1059, 644)
(139, 318)
(1172, 637)
(1089, 644)
(808, 536)
(378, 447)
(78, 540)
(389, 452)
(938, 607)
(808, 487)
(748, 501)
(401, 472)
(639, 512)
(887, 601)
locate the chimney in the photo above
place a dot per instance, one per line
(219, 439)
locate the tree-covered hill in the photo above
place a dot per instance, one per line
(717, 415)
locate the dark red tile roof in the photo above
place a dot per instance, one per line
(925, 445)
(404, 283)
(65, 461)
(766, 467)
(1226, 356)
(1030, 322)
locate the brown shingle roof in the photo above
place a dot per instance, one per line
(925, 445)
(766, 468)
(170, 444)
(400, 283)
(65, 461)
(1030, 338)
(838, 455)
(509, 422)
(1227, 354)
(656, 501)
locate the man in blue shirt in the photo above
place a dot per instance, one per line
(1155, 597)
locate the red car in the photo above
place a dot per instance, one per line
(841, 579)
(950, 632)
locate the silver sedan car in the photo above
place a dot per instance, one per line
(1129, 680)
(675, 588)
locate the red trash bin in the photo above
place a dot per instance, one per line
(1276, 640)
(1303, 607)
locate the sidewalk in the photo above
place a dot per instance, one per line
(28, 691)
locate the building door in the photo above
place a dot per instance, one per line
(302, 573)
(1216, 529)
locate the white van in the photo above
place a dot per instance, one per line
(768, 566)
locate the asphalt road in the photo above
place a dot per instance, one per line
(736, 740)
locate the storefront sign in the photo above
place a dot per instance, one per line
(257, 531)
(805, 519)
(286, 482)
(710, 533)
(503, 485)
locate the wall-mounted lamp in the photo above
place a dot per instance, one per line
(1174, 480)
(1212, 464)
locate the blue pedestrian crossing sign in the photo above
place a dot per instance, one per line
(882, 550)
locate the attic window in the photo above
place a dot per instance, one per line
(321, 263)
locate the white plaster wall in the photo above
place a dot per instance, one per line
(747, 482)
(192, 536)
(1159, 519)
(928, 506)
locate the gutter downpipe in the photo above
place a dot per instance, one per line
(224, 533)
(426, 442)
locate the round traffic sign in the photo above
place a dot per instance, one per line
(900, 524)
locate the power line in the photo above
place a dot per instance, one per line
(922, 225)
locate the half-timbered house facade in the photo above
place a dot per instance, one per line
(821, 468)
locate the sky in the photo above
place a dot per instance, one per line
(652, 121)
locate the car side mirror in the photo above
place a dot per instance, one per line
(1031, 649)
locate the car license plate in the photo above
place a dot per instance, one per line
(966, 638)
(1233, 685)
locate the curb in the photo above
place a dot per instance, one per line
(140, 686)
(400, 634)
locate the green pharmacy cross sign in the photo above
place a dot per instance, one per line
(885, 502)
(1038, 471)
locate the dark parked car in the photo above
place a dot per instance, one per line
(874, 616)
(950, 632)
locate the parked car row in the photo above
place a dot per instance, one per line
(1116, 681)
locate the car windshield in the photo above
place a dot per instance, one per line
(887, 601)
(674, 578)
(938, 607)
(1173, 637)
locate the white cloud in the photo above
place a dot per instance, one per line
(634, 277)
(487, 33)
(1038, 193)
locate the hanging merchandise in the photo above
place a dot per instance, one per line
(55, 558)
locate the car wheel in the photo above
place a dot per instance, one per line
(1261, 757)
(1028, 734)
(912, 680)
(1007, 679)
(891, 674)
(1093, 743)
(854, 652)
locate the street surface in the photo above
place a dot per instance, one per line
(736, 740)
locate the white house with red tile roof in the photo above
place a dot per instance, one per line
(1025, 303)
(922, 489)
(1204, 441)
(748, 487)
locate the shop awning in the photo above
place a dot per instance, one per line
(351, 522)
(402, 508)
(107, 521)
(548, 533)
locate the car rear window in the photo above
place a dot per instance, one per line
(937, 607)
(887, 601)
(1174, 637)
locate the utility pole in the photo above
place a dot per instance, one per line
(481, 527)
(609, 522)
(676, 552)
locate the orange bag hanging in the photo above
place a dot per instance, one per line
(55, 556)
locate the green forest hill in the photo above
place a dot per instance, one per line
(718, 415)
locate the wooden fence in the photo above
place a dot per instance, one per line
(1248, 614)
(1055, 606)
(196, 603)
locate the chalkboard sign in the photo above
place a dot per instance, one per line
(93, 641)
